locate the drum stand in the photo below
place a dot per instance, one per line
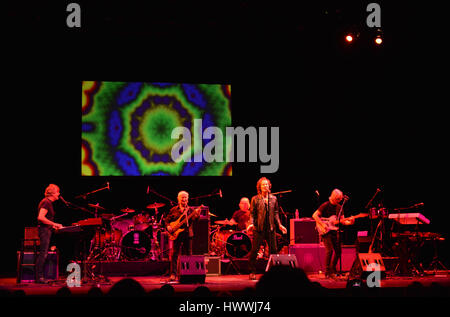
(232, 264)
(89, 275)
(436, 264)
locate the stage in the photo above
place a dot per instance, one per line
(237, 285)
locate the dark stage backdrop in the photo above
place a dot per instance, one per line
(355, 118)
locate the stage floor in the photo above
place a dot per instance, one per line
(223, 285)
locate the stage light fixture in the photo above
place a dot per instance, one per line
(378, 37)
(349, 38)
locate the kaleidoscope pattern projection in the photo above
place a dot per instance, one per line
(127, 126)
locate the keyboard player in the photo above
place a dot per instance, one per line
(46, 215)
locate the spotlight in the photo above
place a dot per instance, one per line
(378, 40)
(378, 37)
(349, 38)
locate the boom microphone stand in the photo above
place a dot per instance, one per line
(339, 234)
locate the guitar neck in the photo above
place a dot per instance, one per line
(182, 222)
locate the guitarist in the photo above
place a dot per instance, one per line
(328, 209)
(183, 241)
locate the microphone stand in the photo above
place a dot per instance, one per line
(172, 203)
(208, 195)
(92, 192)
(339, 235)
(281, 195)
(76, 207)
(367, 207)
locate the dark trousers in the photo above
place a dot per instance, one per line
(258, 239)
(44, 235)
(182, 245)
(331, 244)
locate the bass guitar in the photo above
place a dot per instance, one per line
(182, 220)
(329, 224)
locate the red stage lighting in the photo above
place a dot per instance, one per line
(349, 38)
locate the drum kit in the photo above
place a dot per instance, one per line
(228, 242)
(128, 236)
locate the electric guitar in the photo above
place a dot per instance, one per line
(177, 224)
(330, 223)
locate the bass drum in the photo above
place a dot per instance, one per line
(238, 245)
(135, 245)
(219, 240)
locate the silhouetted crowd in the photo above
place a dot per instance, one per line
(279, 281)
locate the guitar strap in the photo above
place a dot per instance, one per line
(186, 216)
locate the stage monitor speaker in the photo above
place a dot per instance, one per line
(303, 231)
(366, 263)
(282, 259)
(200, 241)
(371, 262)
(192, 269)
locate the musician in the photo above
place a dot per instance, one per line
(264, 211)
(241, 218)
(328, 209)
(46, 215)
(183, 243)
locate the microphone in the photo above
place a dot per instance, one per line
(346, 197)
(220, 193)
(63, 200)
(317, 193)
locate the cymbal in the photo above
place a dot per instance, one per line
(222, 222)
(97, 206)
(155, 205)
(128, 210)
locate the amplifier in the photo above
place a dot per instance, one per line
(303, 231)
(213, 265)
(26, 266)
(311, 257)
(200, 241)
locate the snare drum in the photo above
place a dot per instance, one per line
(238, 245)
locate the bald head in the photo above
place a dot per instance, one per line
(336, 196)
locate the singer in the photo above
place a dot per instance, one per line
(45, 219)
(264, 211)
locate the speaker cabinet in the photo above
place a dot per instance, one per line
(303, 231)
(311, 257)
(367, 263)
(371, 262)
(200, 241)
(26, 266)
(213, 266)
(192, 269)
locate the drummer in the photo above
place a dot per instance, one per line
(241, 218)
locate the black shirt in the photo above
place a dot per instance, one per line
(176, 213)
(327, 209)
(242, 218)
(46, 204)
